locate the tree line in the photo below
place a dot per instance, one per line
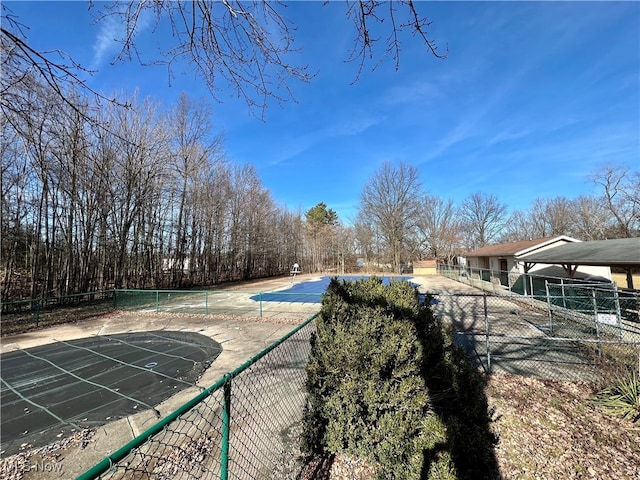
(399, 221)
(128, 194)
(145, 198)
(150, 201)
(100, 191)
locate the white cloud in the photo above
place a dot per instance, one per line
(106, 40)
(112, 30)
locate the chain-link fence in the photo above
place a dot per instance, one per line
(23, 315)
(242, 427)
(228, 302)
(39, 312)
(511, 334)
(502, 282)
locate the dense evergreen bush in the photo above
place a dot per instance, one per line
(384, 385)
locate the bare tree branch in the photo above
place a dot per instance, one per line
(247, 45)
(22, 64)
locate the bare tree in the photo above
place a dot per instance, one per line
(438, 227)
(621, 195)
(547, 217)
(484, 218)
(194, 147)
(247, 45)
(590, 218)
(550, 217)
(14, 233)
(364, 238)
(25, 69)
(389, 202)
(136, 158)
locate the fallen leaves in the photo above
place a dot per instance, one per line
(551, 429)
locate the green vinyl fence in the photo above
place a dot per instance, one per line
(246, 425)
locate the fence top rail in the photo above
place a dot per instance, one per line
(485, 294)
(600, 341)
(598, 285)
(107, 462)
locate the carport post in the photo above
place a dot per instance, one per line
(486, 332)
(226, 426)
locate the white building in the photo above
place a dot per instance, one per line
(505, 259)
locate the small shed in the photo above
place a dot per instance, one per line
(425, 267)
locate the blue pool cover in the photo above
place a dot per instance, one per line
(311, 291)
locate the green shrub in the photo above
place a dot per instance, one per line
(367, 395)
(622, 399)
(386, 384)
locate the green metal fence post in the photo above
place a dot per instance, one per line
(157, 301)
(595, 318)
(260, 304)
(616, 299)
(226, 426)
(38, 308)
(486, 329)
(206, 303)
(549, 309)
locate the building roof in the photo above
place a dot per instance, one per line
(517, 248)
(429, 263)
(621, 252)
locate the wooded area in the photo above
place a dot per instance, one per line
(152, 202)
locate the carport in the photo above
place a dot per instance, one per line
(623, 253)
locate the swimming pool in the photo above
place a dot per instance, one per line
(311, 291)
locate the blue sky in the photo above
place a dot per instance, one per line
(532, 97)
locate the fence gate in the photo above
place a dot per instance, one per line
(507, 334)
(584, 311)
